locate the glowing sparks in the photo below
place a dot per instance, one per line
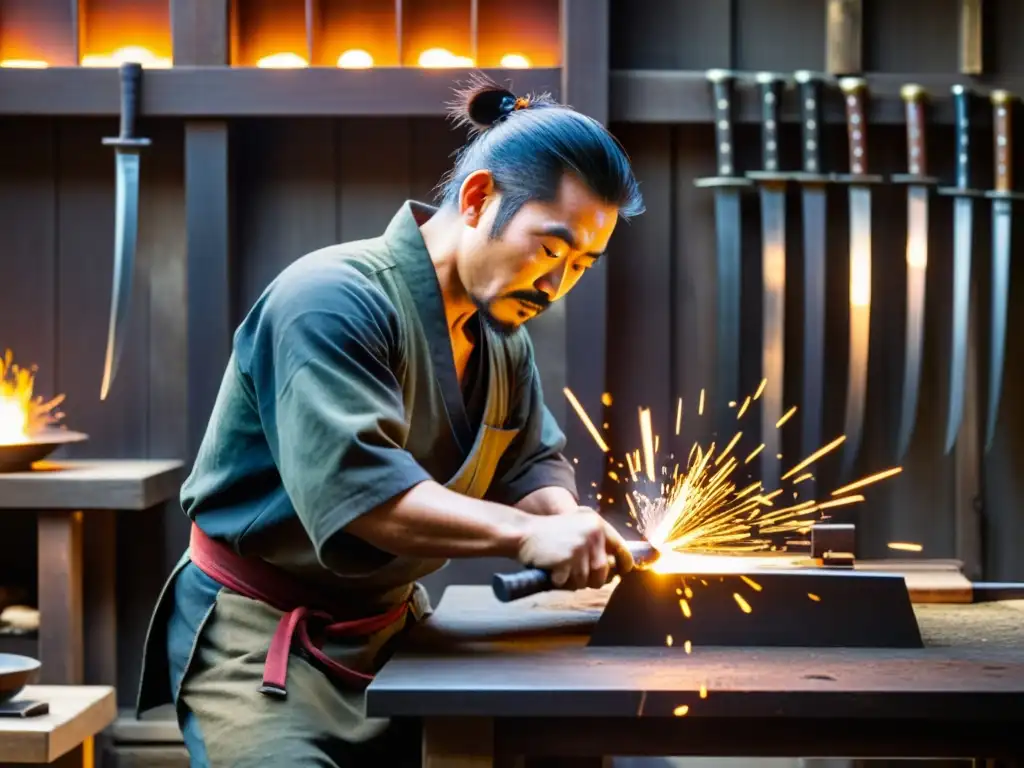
(681, 710)
(785, 417)
(743, 604)
(815, 456)
(688, 646)
(679, 415)
(867, 480)
(703, 691)
(700, 405)
(814, 597)
(648, 442)
(685, 608)
(905, 546)
(585, 419)
(606, 399)
(668, 640)
(21, 414)
(743, 408)
(751, 583)
(760, 388)
(840, 502)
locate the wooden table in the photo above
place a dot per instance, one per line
(64, 735)
(496, 680)
(75, 504)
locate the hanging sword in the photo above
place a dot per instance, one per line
(860, 269)
(1002, 215)
(126, 219)
(772, 190)
(812, 181)
(917, 257)
(727, 185)
(963, 238)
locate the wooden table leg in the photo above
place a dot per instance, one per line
(458, 743)
(100, 597)
(59, 574)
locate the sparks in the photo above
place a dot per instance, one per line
(585, 419)
(905, 546)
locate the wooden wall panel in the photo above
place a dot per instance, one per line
(670, 34)
(372, 185)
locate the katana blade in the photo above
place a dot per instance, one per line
(813, 202)
(963, 235)
(860, 272)
(773, 279)
(916, 258)
(727, 185)
(1002, 213)
(126, 220)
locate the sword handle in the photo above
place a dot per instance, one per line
(853, 92)
(1002, 106)
(962, 130)
(913, 98)
(810, 120)
(722, 92)
(131, 88)
(771, 88)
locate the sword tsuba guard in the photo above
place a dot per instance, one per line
(858, 179)
(768, 177)
(719, 182)
(1000, 194)
(960, 192)
(914, 179)
(803, 177)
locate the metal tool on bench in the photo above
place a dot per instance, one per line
(772, 190)
(918, 185)
(728, 185)
(126, 219)
(531, 581)
(1002, 217)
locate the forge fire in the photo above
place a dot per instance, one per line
(22, 413)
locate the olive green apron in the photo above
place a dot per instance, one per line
(319, 719)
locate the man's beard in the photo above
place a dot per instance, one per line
(536, 298)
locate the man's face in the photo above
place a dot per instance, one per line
(540, 254)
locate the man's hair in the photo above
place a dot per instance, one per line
(528, 144)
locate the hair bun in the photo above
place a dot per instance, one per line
(489, 106)
(482, 103)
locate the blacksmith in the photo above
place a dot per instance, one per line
(380, 414)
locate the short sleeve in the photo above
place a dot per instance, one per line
(323, 373)
(534, 460)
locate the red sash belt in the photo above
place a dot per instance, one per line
(259, 580)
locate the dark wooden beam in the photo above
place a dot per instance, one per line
(220, 91)
(199, 32)
(584, 29)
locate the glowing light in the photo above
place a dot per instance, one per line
(282, 61)
(129, 53)
(355, 58)
(681, 710)
(905, 546)
(515, 61)
(21, 414)
(24, 64)
(442, 58)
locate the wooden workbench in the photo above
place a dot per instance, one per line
(75, 503)
(495, 680)
(77, 713)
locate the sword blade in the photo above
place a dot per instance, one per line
(860, 323)
(126, 221)
(1001, 218)
(773, 277)
(814, 322)
(917, 263)
(727, 366)
(962, 213)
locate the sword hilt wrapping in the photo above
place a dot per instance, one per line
(962, 130)
(722, 94)
(131, 88)
(913, 99)
(1002, 109)
(856, 127)
(810, 121)
(770, 88)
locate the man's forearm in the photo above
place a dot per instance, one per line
(431, 521)
(553, 500)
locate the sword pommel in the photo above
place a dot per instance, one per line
(1002, 103)
(853, 92)
(913, 97)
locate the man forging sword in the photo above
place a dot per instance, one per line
(381, 412)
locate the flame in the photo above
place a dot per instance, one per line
(134, 53)
(24, 64)
(355, 58)
(440, 58)
(21, 416)
(282, 61)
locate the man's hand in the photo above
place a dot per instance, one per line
(575, 548)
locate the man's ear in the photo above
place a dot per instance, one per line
(475, 193)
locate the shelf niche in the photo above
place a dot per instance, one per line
(271, 34)
(113, 31)
(36, 34)
(437, 34)
(355, 34)
(514, 35)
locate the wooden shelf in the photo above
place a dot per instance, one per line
(251, 92)
(669, 96)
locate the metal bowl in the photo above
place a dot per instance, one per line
(19, 457)
(15, 673)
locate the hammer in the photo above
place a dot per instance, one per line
(530, 581)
